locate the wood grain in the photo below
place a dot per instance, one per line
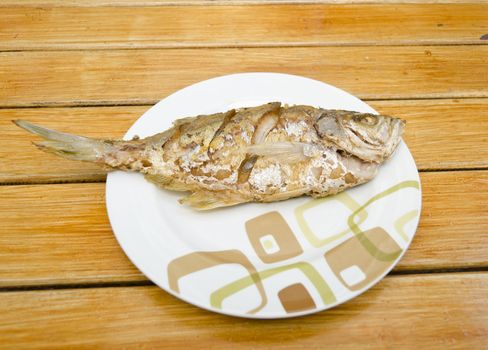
(429, 135)
(34, 78)
(40, 28)
(453, 230)
(443, 134)
(60, 234)
(21, 162)
(100, 53)
(100, 3)
(405, 312)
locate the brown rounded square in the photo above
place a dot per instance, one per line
(272, 238)
(296, 298)
(363, 267)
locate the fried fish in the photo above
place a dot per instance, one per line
(260, 154)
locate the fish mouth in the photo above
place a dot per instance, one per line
(398, 127)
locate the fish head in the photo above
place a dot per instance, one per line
(370, 137)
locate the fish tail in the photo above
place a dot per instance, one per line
(67, 145)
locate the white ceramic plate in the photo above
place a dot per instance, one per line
(271, 260)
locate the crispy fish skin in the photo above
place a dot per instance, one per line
(264, 154)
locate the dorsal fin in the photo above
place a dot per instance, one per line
(206, 200)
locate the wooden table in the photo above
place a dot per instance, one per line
(93, 67)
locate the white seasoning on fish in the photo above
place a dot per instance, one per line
(262, 179)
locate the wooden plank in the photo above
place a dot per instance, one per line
(453, 230)
(100, 3)
(21, 162)
(40, 28)
(145, 76)
(59, 234)
(419, 311)
(43, 242)
(443, 134)
(429, 135)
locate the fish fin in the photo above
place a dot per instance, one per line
(66, 145)
(282, 151)
(167, 182)
(280, 196)
(183, 121)
(206, 200)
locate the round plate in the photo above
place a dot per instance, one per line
(271, 260)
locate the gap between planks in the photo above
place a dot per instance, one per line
(248, 45)
(102, 178)
(156, 3)
(142, 283)
(150, 103)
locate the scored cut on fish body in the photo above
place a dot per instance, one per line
(265, 153)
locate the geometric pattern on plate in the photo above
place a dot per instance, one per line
(356, 263)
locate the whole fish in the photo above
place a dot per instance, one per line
(267, 153)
